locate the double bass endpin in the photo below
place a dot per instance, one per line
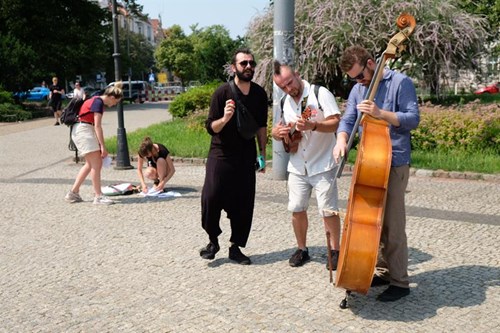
(344, 304)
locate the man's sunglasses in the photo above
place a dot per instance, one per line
(245, 63)
(361, 75)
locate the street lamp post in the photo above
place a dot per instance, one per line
(128, 58)
(122, 156)
(284, 11)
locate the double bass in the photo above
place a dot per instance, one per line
(365, 209)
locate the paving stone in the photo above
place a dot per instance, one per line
(135, 267)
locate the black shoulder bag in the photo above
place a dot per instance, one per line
(247, 126)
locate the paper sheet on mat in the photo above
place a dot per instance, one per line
(117, 189)
(160, 194)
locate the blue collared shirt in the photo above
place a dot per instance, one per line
(395, 93)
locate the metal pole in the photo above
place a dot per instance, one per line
(284, 11)
(128, 58)
(122, 156)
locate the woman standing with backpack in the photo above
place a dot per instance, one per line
(88, 137)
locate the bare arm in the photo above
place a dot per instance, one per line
(99, 133)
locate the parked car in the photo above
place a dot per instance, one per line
(138, 91)
(193, 84)
(491, 89)
(89, 91)
(19, 96)
(38, 94)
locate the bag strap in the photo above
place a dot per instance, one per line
(316, 93)
(239, 105)
(233, 90)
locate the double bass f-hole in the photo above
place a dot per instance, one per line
(365, 208)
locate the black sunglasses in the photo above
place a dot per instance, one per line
(361, 75)
(245, 63)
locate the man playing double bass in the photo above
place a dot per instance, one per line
(396, 103)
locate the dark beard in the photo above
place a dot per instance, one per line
(246, 75)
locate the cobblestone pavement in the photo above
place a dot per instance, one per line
(135, 267)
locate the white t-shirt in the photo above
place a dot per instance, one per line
(315, 152)
(78, 93)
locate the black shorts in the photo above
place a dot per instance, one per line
(56, 106)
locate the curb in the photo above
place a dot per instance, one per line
(413, 171)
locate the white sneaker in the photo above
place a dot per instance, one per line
(73, 197)
(103, 200)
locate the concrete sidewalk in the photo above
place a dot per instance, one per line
(135, 267)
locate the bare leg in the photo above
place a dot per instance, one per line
(161, 168)
(332, 224)
(95, 162)
(82, 175)
(300, 224)
(151, 173)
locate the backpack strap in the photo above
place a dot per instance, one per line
(282, 103)
(316, 93)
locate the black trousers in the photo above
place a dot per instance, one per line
(230, 186)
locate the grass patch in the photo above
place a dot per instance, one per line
(181, 140)
(190, 139)
(457, 160)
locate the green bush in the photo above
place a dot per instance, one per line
(472, 127)
(449, 100)
(5, 97)
(197, 98)
(11, 112)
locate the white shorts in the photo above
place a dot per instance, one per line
(83, 135)
(325, 186)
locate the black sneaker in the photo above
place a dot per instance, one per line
(236, 255)
(393, 293)
(57, 123)
(335, 260)
(299, 258)
(209, 251)
(377, 281)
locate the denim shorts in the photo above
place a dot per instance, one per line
(325, 189)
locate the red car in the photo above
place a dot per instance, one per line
(491, 89)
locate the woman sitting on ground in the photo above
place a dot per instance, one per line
(159, 165)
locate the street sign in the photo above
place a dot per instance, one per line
(162, 77)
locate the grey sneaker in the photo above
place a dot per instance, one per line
(73, 197)
(103, 200)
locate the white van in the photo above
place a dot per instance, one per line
(137, 93)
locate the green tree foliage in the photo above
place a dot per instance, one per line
(446, 38)
(176, 54)
(62, 38)
(491, 10)
(213, 49)
(200, 56)
(136, 53)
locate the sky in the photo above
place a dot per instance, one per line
(235, 15)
